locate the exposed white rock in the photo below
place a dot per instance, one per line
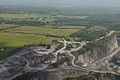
(98, 52)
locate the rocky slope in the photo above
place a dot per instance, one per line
(115, 62)
(99, 52)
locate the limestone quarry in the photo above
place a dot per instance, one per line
(39, 59)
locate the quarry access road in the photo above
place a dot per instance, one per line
(65, 45)
(109, 56)
(84, 43)
(86, 69)
(108, 34)
(81, 45)
(115, 52)
(69, 42)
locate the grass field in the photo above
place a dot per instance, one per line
(3, 26)
(79, 17)
(11, 16)
(42, 30)
(21, 16)
(69, 27)
(10, 41)
(74, 27)
(13, 41)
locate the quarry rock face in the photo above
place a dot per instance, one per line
(99, 52)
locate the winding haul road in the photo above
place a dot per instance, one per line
(84, 43)
(109, 56)
(73, 60)
(65, 45)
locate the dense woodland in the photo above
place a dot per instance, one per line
(88, 35)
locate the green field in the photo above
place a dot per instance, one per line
(14, 38)
(42, 30)
(77, 17)
(66, 27)
(22, 16)
(3, 26)
(74, 27)
(13, 41)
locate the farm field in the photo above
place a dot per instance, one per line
(77, 17)
(22, 16)
(11, 16)
(66, 27)
(42, 30)
(73, 27)
(10, 42)
(3, 26)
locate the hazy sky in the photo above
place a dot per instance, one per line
(63, 3)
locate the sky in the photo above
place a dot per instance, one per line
(63, 3)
